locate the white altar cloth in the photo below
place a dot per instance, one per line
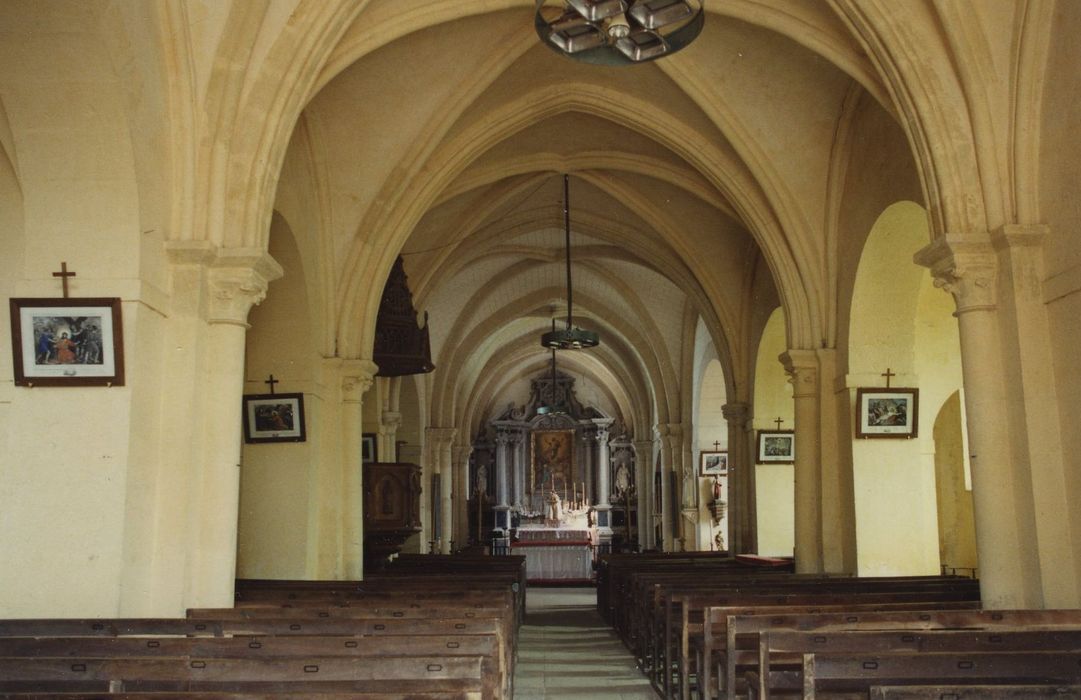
(555, 554)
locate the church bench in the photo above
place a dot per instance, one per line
(975, 692)
(198, 695)
(431, 647)
(103, 627)
(294, 674)
(673, 646)
(742, 632)
(711, 649)
(854, 674)
(789, 646)
(612, 569)
(668, 630)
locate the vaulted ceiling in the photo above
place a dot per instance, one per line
(699, 189)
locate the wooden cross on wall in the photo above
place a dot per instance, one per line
(887, 374)
(717, 445)
(63, 275)
(778, 422)
(271, 381)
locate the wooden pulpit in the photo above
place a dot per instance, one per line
(391, 509)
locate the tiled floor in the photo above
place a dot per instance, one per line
(566, 651)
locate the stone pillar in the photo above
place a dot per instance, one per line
(519, 467)
(503, 442)
(742, 509)
(603, 505)
(1009, 561)
(802, 369)
(459, 455)
(643, 476)
(440, 441)
(389, 421)
(237, 280)
(356, 378)
(671, 436)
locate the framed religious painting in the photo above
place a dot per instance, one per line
(887, 413)
(274, 418)
(776, 446)
(67, 342)
(713, 462)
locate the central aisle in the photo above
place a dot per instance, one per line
(566, 651)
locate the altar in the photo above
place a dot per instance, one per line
(555, 554)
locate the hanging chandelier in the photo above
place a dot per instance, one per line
(570, 338)
(553, 406)
(620, 32)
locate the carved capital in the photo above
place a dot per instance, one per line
(736, 413)
(643, 449)
(965, 266)
(460, 453)
(505, 437)
(441, 438)
(238, 279)
(801, 366)
(389, 421)
(357, 378)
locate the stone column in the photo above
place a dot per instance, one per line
(237, 280)
(742, 509)
(802, 369)
(965, 266)
(671, 437)
(459, 455)
(643, 476)
(503, 441)
(603, 506)
(440, 441)
(356, 378)
(519, 467)
(389, 421)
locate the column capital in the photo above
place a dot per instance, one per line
(965, 266)
(673, 430)
(504, 437)
(737, 412)
(389, 421)
(357, 377)
(440, 437)
(460, 453)
(801, 366)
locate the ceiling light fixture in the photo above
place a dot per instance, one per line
(552, 406)
(620, 32)
(570, 338)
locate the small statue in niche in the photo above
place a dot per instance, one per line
(482, 480)
(623, 479)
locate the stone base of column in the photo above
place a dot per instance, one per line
(604, 518)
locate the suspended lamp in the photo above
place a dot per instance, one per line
(570, 338)
(553, 405)
(619, 32)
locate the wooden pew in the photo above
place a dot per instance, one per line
(673, 644)
(856, 673)
(789, 647)
(975, 692)
(744, 631)
(294, 674)
(196, 695)
(722, 647)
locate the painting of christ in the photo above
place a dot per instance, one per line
(552, 460)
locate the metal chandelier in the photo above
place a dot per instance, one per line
(619, 32)
(570, 338)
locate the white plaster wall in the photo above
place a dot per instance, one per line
(64, 472)
(892, 325)
(774, 483)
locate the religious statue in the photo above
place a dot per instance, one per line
(554, 507)
(623, 479)
(482, 479)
